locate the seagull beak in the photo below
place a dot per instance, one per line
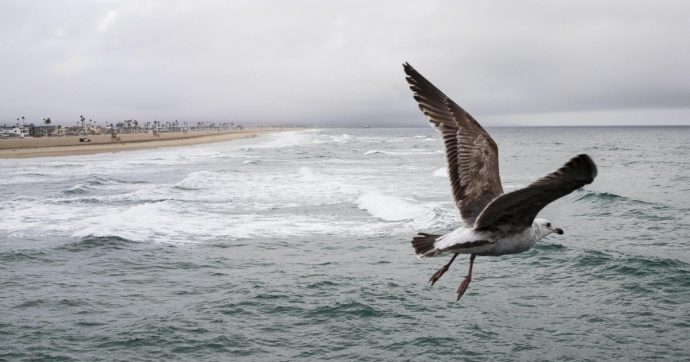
(558, 231)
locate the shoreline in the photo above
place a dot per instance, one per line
(70, 145)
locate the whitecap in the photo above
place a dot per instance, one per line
(373, 152)
(441, 172)
(343, 138)
(78, 189)
(390, 208)
(198, 180)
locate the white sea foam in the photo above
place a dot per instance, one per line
(199, 180)
(205, 192)
(22, 179)
(373, 152)
(390, 208)
(282, 139)
(343, 138)
(174, 222)
(441, 172)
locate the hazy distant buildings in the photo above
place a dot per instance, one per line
(14, 132)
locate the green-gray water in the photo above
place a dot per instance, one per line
(295, 246)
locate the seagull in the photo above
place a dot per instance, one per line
(495, 223)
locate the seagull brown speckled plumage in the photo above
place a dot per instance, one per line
(495, 223)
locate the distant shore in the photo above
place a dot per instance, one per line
(70, 145)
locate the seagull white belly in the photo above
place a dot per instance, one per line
(513, 244)
(484, 243)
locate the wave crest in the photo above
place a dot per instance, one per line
(609, 198)
(390, 208)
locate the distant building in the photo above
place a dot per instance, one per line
(43, 131)
(14, 132)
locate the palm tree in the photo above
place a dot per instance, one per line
(47, 121)
(81, 121)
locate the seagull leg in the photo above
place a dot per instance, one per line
(466, 283)
(441, 271)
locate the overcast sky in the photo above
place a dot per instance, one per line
(333, 63)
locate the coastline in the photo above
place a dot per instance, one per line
(70, 145)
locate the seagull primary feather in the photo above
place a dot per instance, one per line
(495, 223)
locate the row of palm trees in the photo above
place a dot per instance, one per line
(84, 126)
(133, 126)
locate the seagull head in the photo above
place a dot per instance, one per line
(545, 228)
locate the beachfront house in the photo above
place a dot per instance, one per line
(41, 131)
(14, 132)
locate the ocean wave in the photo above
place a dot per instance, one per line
(97, 180)
(78, 189)
(26, 179)
(648, 269)
(181, 222)
(92, 242)
(62, 164)
(343, 138)
(600, 196)
(409, 152)
(346, 309)
(390, 208)
(95, 183)
(607, 198)
(605, 204)
(308, 174)
(441, 172)
(373, 152)
(163, 221)
(10, 256)
(199, 180)
(191, 221)
(549, 247)
(411, 214)
(316, 137)
(283, 140)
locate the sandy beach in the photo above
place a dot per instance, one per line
(70, 145)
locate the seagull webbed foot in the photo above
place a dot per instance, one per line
(466, 282)
(438, 274)
(463, 286)
(441, 271)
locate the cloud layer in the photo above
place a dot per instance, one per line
(319, 62)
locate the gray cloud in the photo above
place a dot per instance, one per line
(317, 62)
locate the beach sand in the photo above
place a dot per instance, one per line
(70, 145)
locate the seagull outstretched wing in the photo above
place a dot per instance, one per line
(471, 153)
(517, 210)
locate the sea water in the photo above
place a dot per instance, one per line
(296, 246)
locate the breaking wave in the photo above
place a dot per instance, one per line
(390, 208)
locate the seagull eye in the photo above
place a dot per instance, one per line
(548, 224)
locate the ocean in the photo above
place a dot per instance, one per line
(296, 246)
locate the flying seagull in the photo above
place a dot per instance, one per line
(495, 223)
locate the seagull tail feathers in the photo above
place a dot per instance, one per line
(423, 243)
